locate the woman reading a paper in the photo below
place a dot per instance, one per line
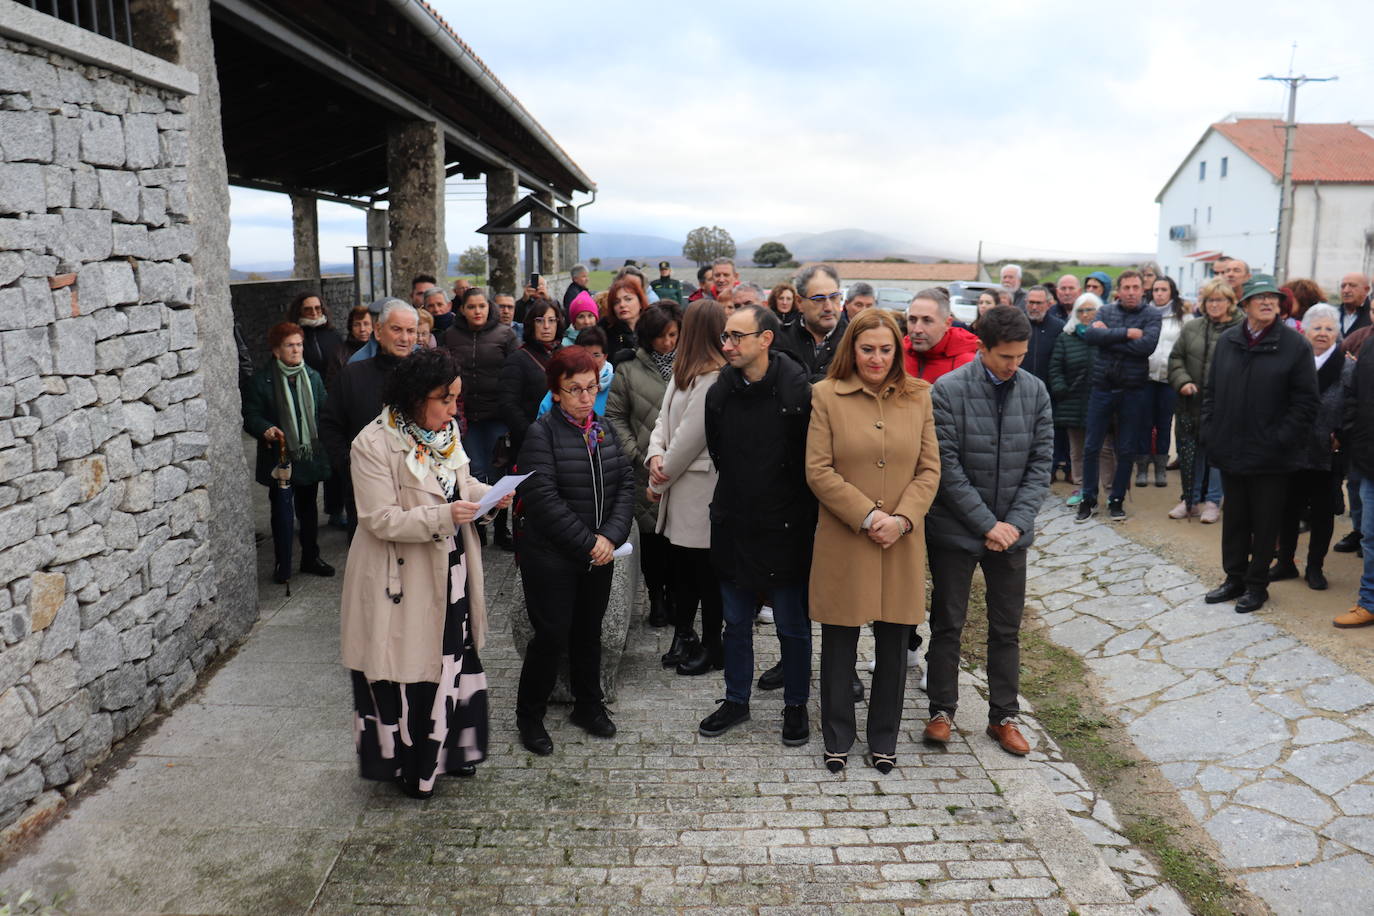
(413, 613)
(576, 506)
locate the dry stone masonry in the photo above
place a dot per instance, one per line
(107, 581)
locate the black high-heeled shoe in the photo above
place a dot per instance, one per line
(883, 763)
(836, 763)
(413, 789)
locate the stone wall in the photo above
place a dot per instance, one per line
(108, 583)
(259, 304)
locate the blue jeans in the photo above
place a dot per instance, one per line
(1206, 486)
(1130, 407)
(794, 635)
(1367, 539)
(480, 444)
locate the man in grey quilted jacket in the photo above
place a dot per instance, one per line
(996, 434)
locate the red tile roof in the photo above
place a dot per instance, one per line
(1321, 152)
(894, 270)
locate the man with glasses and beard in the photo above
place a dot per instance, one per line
(812, 340)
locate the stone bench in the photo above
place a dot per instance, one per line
(626, 595)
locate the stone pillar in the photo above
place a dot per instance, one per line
(305, 229)
(548, 244)
(185, 39)
(568, 243)
(502, 188)
(377, 235)
(415, 176)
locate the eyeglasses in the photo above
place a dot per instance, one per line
(831, 297)
(576, 391)
(547, 319)
(735, 337)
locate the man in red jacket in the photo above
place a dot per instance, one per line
(933, 345)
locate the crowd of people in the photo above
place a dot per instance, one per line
(783, 456)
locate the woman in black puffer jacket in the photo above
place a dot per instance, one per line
(479, 343)
(577, 507)
(523, 384)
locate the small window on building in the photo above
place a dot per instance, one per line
(1209, 214)
(1202, 170)
(1223, 166)
(1195, 216)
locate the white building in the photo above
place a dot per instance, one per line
(1224, 199)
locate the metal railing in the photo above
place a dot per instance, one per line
(104, 17)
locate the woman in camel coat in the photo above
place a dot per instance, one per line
(413, 614)
(874, 464)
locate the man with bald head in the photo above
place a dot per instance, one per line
(1066, 293)
(1354, 303)
(1236, 273)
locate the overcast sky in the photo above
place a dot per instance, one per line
(1047, 125)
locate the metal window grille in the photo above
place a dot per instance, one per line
(104, 17)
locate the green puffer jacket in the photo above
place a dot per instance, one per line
(1192, 355)
(260, 415)
(1071, 377)
(632, 409)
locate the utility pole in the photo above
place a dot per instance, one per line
(1285, 233)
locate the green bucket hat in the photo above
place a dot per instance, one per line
(1259, 283)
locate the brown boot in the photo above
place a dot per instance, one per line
(1355, 617)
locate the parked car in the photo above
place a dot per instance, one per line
(893, 297)
(963, 298)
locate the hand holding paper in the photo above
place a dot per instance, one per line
(498, 492)
(624, 550)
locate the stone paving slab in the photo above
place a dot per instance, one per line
(246, 800)
(1270, 744)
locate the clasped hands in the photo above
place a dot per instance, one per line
(883, 529)
(1001, 536)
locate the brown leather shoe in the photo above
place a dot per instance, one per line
(1009, 737)
(1355, 617)
(938, 729)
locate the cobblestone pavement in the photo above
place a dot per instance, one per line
(246, 800)
(1270, 744)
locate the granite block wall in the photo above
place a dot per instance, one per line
(107, 579)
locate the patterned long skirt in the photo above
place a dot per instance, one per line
(416, 732)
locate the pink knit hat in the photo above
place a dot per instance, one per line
(582, 302)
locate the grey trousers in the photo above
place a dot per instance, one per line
(839, 650)
(951, 574)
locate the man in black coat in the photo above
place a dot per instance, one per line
(1257, 412)
(356, 398)
(763, 515)
(812, 340)
(1125, 334)
(1045, 330)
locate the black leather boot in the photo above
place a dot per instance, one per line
(685, 646)
(501, 530)
(660, 614)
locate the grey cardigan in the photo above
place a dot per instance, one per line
(994, 465)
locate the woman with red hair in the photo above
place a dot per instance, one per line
(625, 302)
(577, 508)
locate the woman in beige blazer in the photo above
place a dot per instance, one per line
(682, 480)
(413, 613)
(874, 464)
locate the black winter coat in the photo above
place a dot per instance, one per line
(1123, 363)
(621, 341)
(797, 342)
(260, 413)
(355, 400)
(480, 355)
(572, 496)
(763, 514)
(1041, 347)
(1259, 402)
(322, 348)
(523, 386)
(1357, 414)
(1317, 454)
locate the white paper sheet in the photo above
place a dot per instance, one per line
(498, 492)
(624, 550)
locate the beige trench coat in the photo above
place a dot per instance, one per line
(679, 438)
(395, 583)
(866, 451)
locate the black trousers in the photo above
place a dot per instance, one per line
(333, 495)
(654, 561)
(839, 650)
(951, 574)
(1317, 491)
(304, 498)
(566, 604)
(694, 581)
(1250, 526)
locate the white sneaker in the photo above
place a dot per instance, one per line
(922, 685)
(1211, 513)
(1179, 511)
(765, 614)
(913, 658)
(872, 664)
